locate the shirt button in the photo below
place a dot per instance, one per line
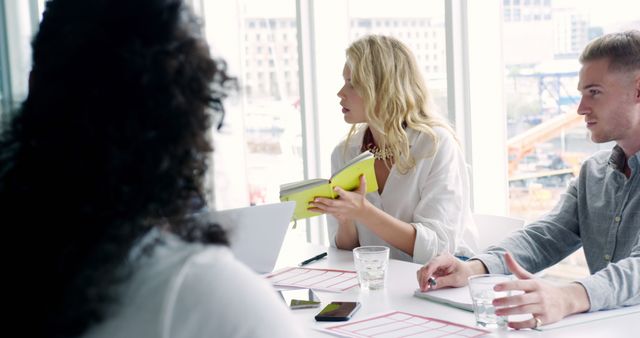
(607, 257)
(617, 219)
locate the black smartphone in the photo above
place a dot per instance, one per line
(300, 298)
(337, 311)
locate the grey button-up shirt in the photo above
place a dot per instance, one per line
(600, 212)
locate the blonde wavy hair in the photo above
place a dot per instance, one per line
(386, 75)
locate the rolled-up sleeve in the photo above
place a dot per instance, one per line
(616, 285)
(542, 243)
(439, 217)
(337, 162)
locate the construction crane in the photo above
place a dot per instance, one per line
(519, 146)
(524, 143)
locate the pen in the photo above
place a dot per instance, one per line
(432, 282)
(314, 258)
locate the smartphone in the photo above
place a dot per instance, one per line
(337, 311)
(300, 298)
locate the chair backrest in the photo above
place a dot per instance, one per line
(493, 228)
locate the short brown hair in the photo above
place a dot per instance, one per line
(621, 48)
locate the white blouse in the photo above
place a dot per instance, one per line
(433, 197)
(185, 290)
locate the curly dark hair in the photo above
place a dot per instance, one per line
(110, 142)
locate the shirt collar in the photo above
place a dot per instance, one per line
(617, 159)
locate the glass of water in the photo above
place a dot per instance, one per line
(371, 265)
(482, 295)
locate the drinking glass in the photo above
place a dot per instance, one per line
(371, 265)
(482, 295)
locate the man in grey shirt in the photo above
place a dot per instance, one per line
(600, 210)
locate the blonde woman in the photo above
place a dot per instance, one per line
(421, 208)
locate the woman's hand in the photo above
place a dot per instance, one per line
(350, 205)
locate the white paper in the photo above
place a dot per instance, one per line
(317, 279)
(402, 324)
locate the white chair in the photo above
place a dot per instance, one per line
(493, 228)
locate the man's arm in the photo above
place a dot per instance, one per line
(616, 285)
(541, 243)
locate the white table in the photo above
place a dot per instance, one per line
(398, 295)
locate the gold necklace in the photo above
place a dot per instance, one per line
(368, 143)
(380, 154)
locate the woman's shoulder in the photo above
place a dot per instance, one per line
(441, 132)
(217, 258)
(207, 290)
(420, 140)
(158, 265)
(217, 287)
(204, 261)
(174, 260)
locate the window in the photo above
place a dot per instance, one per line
(259, 146)
(333, 39)
(546, 139)
(18, 22)
(533, 32)
(263, 130)
(404, 14)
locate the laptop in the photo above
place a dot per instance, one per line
(256, 233)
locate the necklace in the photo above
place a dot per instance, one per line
(379, 154)
(368, 143)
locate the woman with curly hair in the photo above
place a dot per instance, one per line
(422, 204)
(99, 171)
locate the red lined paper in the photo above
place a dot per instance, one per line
(403, 324)
(317, 279)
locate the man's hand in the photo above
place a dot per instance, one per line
(448, 271)
(545, 301)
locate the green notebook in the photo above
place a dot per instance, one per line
(348, 178)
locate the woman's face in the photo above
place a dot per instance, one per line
(350, 100)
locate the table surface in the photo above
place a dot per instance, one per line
(398, 295)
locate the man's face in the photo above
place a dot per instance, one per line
(350, 100)
(609, 103)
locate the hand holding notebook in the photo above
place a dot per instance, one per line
(347, 178)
